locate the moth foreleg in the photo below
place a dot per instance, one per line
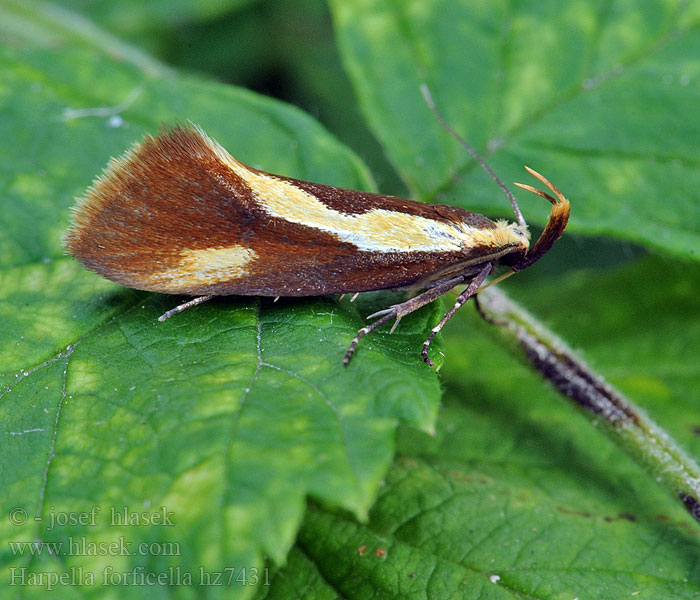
(461, 299)
(184, 306)
(398, 311)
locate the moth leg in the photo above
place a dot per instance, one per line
(363, 332)
(461, 299)
(184, 306)
(398, 311)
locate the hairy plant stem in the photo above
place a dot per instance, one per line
(626, 424)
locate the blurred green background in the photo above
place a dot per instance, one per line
(275, 47)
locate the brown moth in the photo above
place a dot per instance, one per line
(177, 214)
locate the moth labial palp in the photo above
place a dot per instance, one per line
(177, 214)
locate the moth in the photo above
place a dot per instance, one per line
(177, 214)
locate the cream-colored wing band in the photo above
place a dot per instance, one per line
(377, 230)
(206, 266)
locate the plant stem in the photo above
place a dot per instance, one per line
(626, 424)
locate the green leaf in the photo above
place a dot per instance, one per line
(602, 99)
(517, 496)
(222, 419)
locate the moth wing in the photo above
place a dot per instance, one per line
(178, 214)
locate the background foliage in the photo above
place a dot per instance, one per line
(233, 414)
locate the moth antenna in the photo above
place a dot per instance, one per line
(475, 155)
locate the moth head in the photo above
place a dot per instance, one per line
(520, 234)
